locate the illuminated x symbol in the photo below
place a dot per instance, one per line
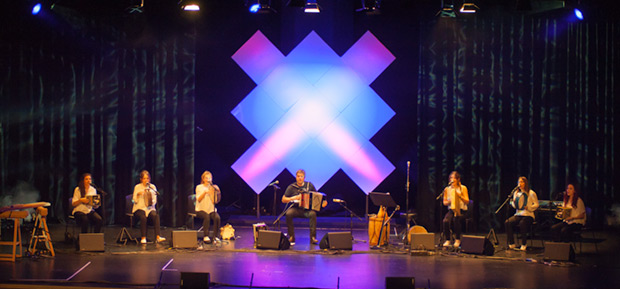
(313, 110)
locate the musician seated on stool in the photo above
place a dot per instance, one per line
(207, 195)
(526, 202)
(456, 197)
(293, 193)
(575, 218)
(144, 201)
(83, 209)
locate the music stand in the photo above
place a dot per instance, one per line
(383, 200)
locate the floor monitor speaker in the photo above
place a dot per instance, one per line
(274, 240)
(195, 280)
(184, 239)
(399, 283)
(91, 242)
(477, 245)
(337, 241)
(559, 251)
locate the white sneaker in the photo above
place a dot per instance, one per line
(161, 239)
(217, 240)
(206, 239)
(457, 243)
(446, 244)
(512, 246)
(143, 241)
(523, 248)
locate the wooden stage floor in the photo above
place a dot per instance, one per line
(237, 264)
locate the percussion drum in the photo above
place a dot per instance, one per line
(415, 229)
(374, 230)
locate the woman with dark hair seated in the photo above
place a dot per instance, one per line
(574, 215)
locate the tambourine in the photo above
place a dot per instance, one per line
(520, 201)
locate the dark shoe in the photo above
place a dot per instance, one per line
(313, 240)
(291, 240)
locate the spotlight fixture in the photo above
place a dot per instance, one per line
(369, 6)
(189, 5)
(312, 7)
(36, 8)
(578, 13)
(469, 7)
(260, 6)
(447, 11)
(137, 7)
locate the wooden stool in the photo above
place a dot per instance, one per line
(17, 235)
(40, 233)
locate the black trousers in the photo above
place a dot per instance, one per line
(563, 231)
(84, 219)
(297, 212)
(524, 223)
(450, 220)
(206, 222)
(153, 216)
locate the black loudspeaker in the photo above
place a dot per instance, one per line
(476, 245)
(184, 239)
(399, 283)
(91, 242)
(337, 241)
(559, 251)
(195, 280)
(272, 240)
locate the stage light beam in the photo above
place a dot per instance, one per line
(36, 9)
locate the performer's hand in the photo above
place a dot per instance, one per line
(84, 200)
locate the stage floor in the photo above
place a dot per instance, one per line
(237, 263)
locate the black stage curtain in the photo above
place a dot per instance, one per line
(492, 97)
(107, 95)
(518, 96)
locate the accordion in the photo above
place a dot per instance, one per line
(311, 200)
(94, 200)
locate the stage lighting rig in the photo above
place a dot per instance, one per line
(369, 6)
(447, 10)
(260, 6)
(312, 7)
(189, 5)
(469, 7)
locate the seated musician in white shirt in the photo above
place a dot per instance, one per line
(144, 205)
(576, 210)
(83, 210)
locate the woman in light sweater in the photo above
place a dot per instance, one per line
(525, 201)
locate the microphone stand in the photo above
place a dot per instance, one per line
(492, 231)
(282, 214)
(275, 196)
(351, 214)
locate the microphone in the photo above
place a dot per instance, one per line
(338, 201)
(154, 189)
(274, 183)
(98, 189)
(514, 190)
(450, 183)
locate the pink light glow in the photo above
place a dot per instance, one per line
(341, 142)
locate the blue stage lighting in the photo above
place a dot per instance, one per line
(36, 9)
(578, 14)
(254, 8)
